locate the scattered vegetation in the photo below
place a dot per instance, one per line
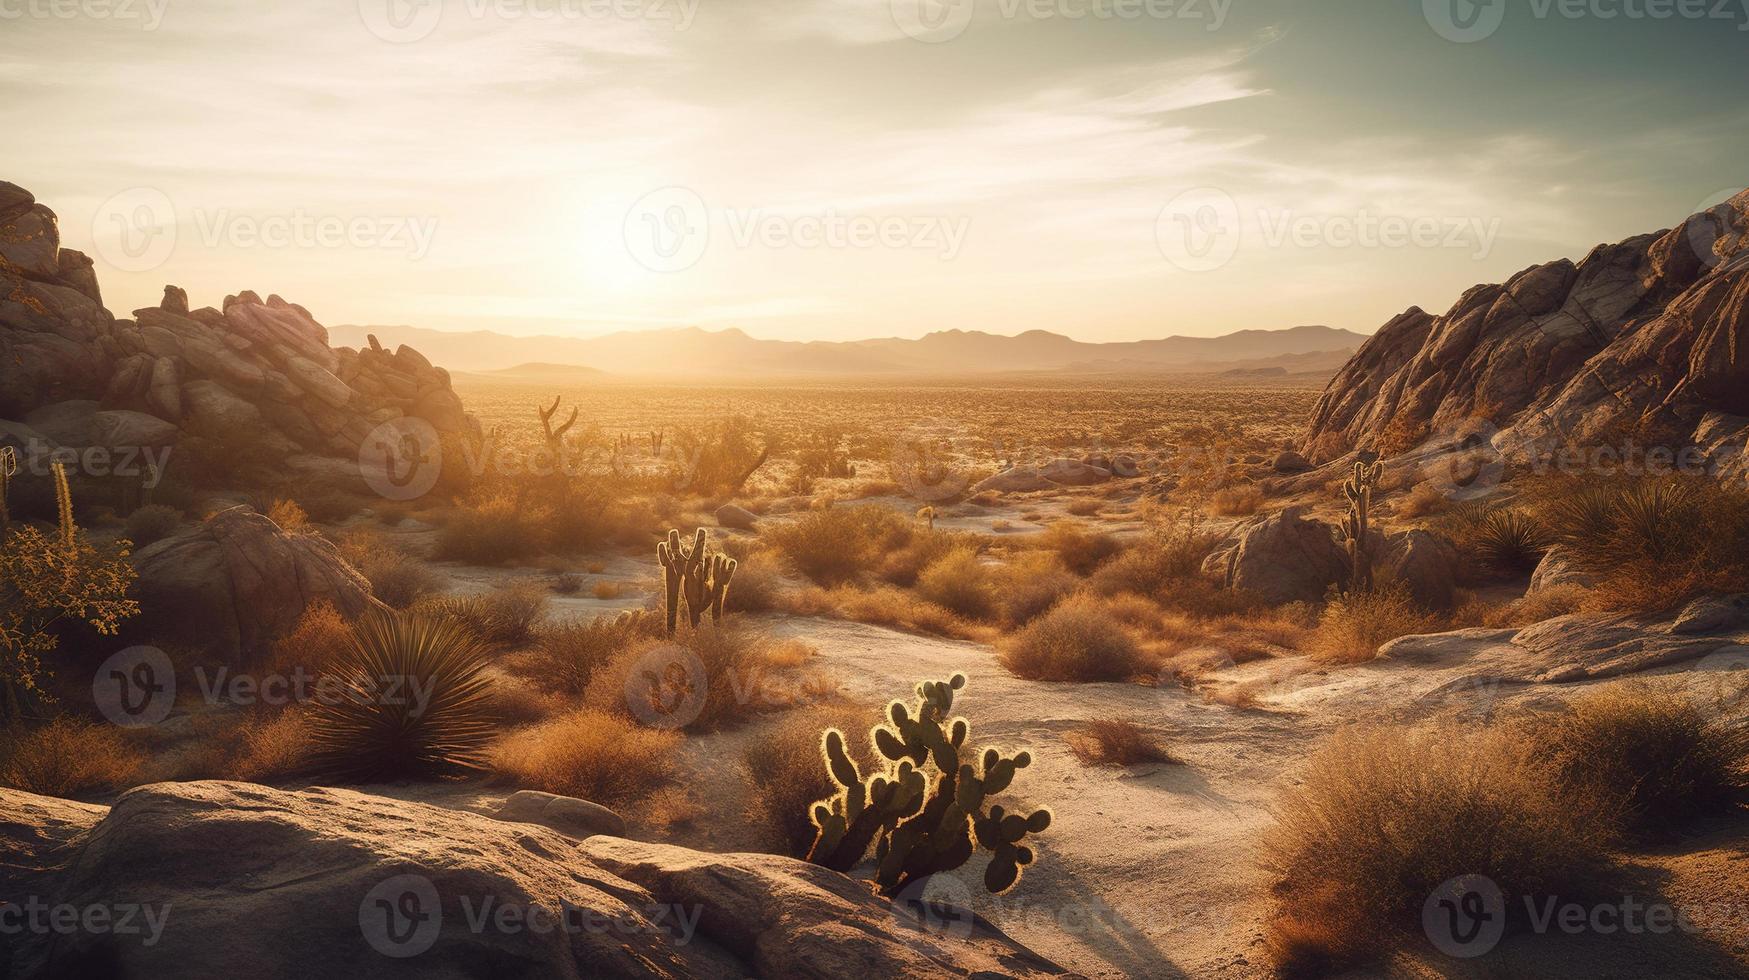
(68, 757)
(1077, 640)
(785, 775)
(505, 616)
(1353, 627)
(592, 755)
(1116, 742)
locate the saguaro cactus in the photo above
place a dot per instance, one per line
(694, 576)
(1356, 526)
(925, 812)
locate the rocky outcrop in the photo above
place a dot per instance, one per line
(1284, 558)
(1422, 564)
(254, 372)
(237, 581)
(232, 879)
(565, 814)
(1647, 336)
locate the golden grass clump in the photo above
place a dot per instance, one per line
(1080, 550)
(289, 516)
(505, 616)
(492, 530)
(1117, 742)
(396, 578)
(959, 582)
(1077, 640)
(321, 638)
(1383, 816)
(270, 746)
(700, 680)
(787, 775)
(840, 544)
(1352, 628)
(566, 655)
(1238, 500)
(592, 755)
(68, 757)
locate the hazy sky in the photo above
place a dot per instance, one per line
(1109, 169)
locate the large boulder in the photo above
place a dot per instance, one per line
(234, 879)
(1557, 569)
(1287, 558)
(737, 517)
(1424, 564)
(238, 581)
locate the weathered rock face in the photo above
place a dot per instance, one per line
(255, 372)
(1650, 333)
(1423, 564)
(237, 581)
(243, 880)
(1286, 558)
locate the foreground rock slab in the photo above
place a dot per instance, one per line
(234, 879)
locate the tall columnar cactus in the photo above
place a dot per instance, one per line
(694, 576)
(8, 467)
(925, 812)
(1358, 488)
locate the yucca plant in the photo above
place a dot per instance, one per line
(1583, 517)
(413, 701)
(1509, 540)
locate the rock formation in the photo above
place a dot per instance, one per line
(1643, 339)
(253, 372)
(232, 879)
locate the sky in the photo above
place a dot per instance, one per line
(840, 169)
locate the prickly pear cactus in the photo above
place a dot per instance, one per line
(928, 810)
(694, 576)
(1358, 488)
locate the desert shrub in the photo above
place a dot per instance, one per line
(882, 605)
(720, 457)
(153, 522)
(326, 508)
(1167, 556)
(840, 544)
(1505, 540)
(1238, 500)
(1353, 627)
(905, 559)
(1031, 584)
(505, 616)
(1653, 758)
(320, 639)
(786, 777)
(1080, 550)
(288, 515)
(414, 702)
(68, 757)
(1085, 507)
(567, 583)
(270, 746)
(591, 755)
(700, 680)
(1384, 816)
(492, 530)
(1077, 640)
(568, 653)
(959, 582)
(396, 578)
(1425, 499)
(1116, 742)
(756, 588)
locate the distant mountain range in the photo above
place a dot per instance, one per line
(692, 351)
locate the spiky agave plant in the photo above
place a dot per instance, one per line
(412, 701)
(1510, 540)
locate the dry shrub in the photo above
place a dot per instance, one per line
(1384, 816)
(567, 583)
(605, 590)
(395, 577)
(700, 679)
(905, 562)
(1031, 584)
(505, 616)
(757, 587)
(1081, 551)
(321, 637)
(1164, 559)
(1085, 508)
(1077, 640)
(68, 757)
(792, 652)
(492, 530)
(1353, 627)
(960, 582)
(883, 605)
(1653, 758)
(591, 755)
(787, 773)
(272, 745)
(1117, 742)
(1239, 500)
(1559, 600)
(840, 544)
(566, 654)
(516, 699)
(288, 515)
(1424, 500)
